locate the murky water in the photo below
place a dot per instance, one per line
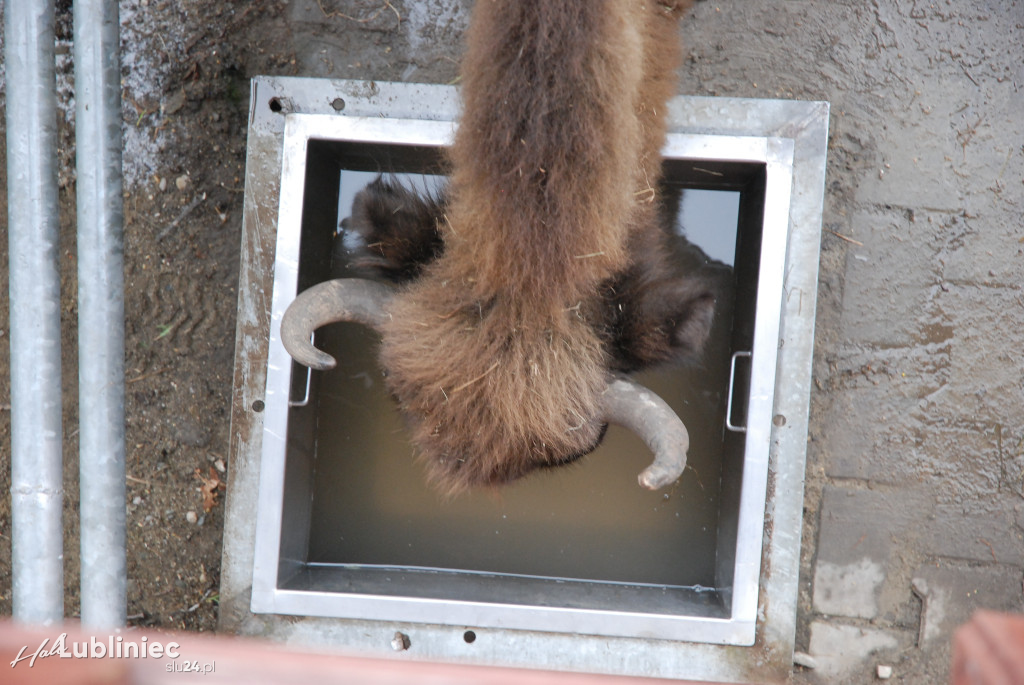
(588, 521)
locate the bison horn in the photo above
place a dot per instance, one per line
(343, 299)
(639, 409)
(625, 402)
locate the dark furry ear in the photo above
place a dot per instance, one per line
(660, 320)
(689, 321)
(399, 229)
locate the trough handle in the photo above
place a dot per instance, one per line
(732, 379)
(309, 375)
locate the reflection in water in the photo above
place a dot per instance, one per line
(589, 521)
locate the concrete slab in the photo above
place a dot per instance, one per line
(888, 272)
(913, 167)
(839, 650)
(950, 593)
(859, 531)
(958, 456)
(848, 589)
(875, 417)
(986, 531)
(986, 248)
(985, 338)
(861, 524)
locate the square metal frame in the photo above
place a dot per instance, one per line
(789, 138)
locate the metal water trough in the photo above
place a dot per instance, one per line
(355, 557)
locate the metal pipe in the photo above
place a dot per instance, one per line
(100, 312)
(33, 235)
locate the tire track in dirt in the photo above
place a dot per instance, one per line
(176, 308)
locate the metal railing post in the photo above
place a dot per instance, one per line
(100, 312)
(33, 236)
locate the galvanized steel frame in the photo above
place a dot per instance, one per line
(799, 126)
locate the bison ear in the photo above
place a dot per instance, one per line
(663, 320)
(399, 230)
(691, 319)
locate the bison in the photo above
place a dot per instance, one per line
(512, 306)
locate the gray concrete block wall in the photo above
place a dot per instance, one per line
(915, 482)
(916, 462)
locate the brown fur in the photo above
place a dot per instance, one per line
(498, 352)
(400, 230)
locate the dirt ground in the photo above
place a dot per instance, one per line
(186, 69)
(186, 66)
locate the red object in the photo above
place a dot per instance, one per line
(194, 658)
(989, 650)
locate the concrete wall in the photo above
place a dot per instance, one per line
(915, 490)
